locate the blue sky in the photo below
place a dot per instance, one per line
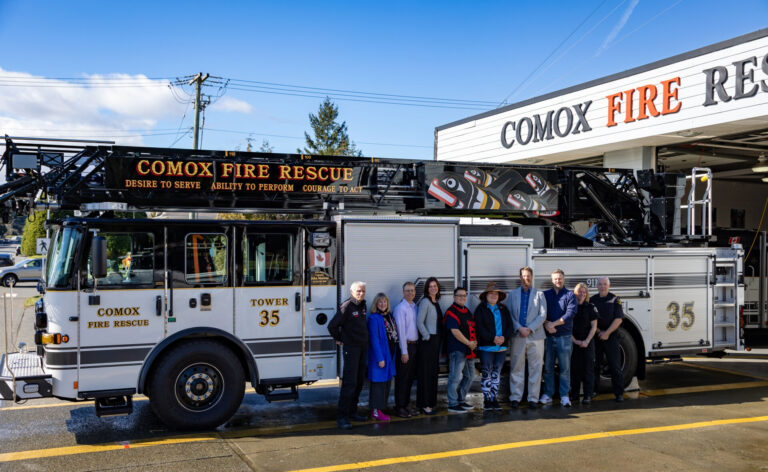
(474, 51)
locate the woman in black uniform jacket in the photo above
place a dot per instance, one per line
(583, 353)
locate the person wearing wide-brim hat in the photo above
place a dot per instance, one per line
(493, 327)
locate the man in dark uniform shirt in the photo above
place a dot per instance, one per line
(610, 316)
(349, 327)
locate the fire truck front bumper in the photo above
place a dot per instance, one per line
(22, 377)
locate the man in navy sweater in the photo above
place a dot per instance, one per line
(561, 308)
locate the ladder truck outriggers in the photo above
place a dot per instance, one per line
(188, 311)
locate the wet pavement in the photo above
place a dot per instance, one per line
(700, 414)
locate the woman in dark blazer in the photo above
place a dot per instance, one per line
(429, 321)
(493, 327)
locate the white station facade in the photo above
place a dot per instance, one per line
(707, 107)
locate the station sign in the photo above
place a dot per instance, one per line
(665, 102)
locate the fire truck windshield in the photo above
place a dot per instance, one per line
(62, 257)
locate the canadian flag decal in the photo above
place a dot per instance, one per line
(319, 258)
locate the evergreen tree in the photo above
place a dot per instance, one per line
(33, 228)
(266, 147)
(331, 138)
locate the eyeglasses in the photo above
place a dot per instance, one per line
(461, 296)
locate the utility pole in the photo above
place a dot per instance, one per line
(198, 82)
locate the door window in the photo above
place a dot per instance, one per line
(130, 259)
(268, 258)
(206, 258)
(321, 262)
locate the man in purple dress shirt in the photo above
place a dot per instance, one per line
(408, 337)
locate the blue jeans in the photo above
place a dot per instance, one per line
(460, 376)
(559, 347)
(490, 370)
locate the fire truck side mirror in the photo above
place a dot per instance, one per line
(99, 257)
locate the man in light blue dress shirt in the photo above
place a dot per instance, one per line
(528, 308)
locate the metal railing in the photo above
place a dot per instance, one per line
(703, 174)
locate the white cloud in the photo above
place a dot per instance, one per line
(232, 104)
(618, 27)
(118, 107)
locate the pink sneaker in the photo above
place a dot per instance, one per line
(379, 415)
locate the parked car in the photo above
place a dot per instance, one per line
(26, 270)
(6, 260)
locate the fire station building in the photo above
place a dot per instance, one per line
(703, 108)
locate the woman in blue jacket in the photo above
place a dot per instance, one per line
(382, 335)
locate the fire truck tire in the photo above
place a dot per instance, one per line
(628, 350)
(197, 385)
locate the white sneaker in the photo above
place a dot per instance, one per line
(565, 401)
(545, 399)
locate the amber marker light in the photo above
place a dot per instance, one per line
(52, 338)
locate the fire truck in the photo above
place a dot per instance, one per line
(187, 311)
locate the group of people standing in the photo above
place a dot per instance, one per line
(538, 326)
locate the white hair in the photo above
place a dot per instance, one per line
(357, 284)
(604, 278)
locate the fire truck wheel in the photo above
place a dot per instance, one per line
(197, 385)
(628, 352)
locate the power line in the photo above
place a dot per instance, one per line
(76, 79)
(252, 86)
(87, 134)
(585, 62)
(503, 102)
(104, 130)
(341, 98)
(354, 92)
(218, 130)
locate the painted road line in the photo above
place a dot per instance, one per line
(536, 442)
(86, 403)
(721, 370)
(139, 398)
(701, 388)
(87, 449)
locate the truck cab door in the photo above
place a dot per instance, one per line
(201, 278)
(121, 314)
(320, 269)
(268, 300)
